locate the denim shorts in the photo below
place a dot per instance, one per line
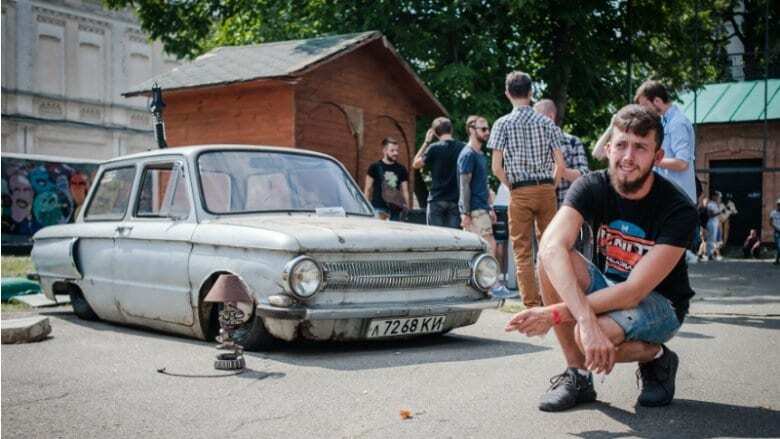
(653, 321)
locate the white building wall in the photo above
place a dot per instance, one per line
(65, 64)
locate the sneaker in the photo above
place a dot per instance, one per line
(657, 379)
(567, 390)
(500, 291)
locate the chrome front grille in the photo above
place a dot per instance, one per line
(396, 274)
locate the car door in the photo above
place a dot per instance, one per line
(153, 248)
(95, 250)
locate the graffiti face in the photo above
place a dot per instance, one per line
(78, 187)
(41, 180)
(47, 209)
(21, 197)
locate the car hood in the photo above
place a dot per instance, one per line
(329, 234)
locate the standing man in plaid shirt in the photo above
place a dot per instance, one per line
(573, 152)
(527, 158)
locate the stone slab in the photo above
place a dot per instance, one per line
(25, 330)
(39, 300)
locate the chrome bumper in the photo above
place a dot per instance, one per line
(300, 312)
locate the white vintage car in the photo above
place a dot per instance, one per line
(159, 227)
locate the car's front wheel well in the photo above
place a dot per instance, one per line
(207, 312)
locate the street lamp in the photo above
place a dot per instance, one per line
(231, 291)
(156, 107)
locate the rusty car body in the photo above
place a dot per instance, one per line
(159, 227)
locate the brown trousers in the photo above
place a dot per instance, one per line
(529, 205)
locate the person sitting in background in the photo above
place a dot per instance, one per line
(752, 245)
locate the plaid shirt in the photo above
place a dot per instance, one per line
(526, 139)
(575, 158)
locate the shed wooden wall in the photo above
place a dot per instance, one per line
(734, 141)
(252, 113)
(347, 106)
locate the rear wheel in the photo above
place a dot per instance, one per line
(80, 305)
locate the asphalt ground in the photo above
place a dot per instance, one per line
(94, 379)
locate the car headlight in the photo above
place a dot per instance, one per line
(304, 277)
(484, 272)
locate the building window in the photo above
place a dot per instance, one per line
(50, 65)
(91, 71)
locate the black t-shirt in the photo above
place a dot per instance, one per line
(442, 159)
(393, 175)
(627, 229)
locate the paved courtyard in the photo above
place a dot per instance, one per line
(102, 380)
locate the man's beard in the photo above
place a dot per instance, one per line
(624, 186)
(390, 159)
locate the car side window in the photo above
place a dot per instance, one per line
(163, 192)
(112, 195)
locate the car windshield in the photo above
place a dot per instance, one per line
(262, 181)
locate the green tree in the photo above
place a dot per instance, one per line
(581, 53)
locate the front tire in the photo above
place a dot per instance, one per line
(253, 336)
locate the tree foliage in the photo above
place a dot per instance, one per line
(580, 53)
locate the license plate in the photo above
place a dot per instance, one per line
(409, 326)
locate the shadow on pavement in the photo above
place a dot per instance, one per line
(686, 418)
(361, 355)
(749, 320)
(366, 355)
(694, 335)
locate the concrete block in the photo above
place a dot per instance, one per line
(39, 300)
(25, 330)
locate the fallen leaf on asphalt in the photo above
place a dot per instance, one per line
(406, 414)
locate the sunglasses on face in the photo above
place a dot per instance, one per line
(483, 129)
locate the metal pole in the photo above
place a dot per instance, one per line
(628, 60)
(766, 78)
(696, 73)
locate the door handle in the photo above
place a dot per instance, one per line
(123, 230)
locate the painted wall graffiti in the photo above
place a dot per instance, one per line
(38, 192)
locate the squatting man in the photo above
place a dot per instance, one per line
(635, 301)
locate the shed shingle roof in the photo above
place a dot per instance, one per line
(733, 102)
(278, 60)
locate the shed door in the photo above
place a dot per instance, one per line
(741, 180)
(326, 129)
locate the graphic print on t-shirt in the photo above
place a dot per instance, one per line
(391, 179)
(622, 244)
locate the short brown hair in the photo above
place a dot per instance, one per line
(640, 121)
(518, 84)
(471, 121)
(652, 89)
(441, 125)
(389, 141)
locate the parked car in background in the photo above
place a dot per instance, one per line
(160, 227)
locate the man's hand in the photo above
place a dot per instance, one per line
(531, 322)
(465, 221)
(599, 350)
(429, 136)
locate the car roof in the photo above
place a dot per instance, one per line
(194, 150)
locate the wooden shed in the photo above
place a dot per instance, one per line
(340, 95)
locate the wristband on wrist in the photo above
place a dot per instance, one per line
(556, 317)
